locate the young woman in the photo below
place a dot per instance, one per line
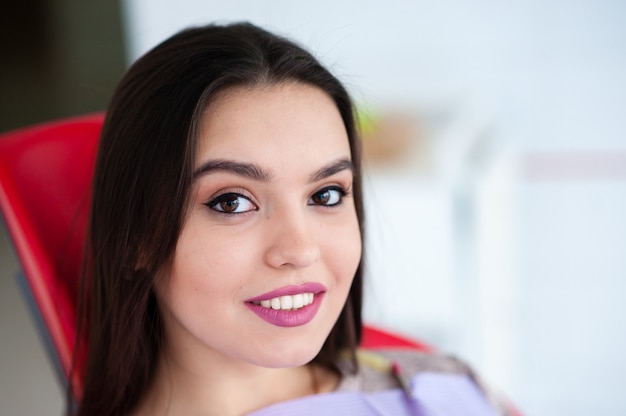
(225, 243)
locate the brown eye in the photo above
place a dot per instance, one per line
(321, 198)
(327, 197)
(229, 205)
(232, 203)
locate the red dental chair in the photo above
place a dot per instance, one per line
(45, 176)
(45, 186)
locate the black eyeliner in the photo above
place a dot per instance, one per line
(225, 197)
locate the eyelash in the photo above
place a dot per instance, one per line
(214, 203)
(343, 192)
(230, 196)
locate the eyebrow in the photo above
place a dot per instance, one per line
(247, 170)
(255, 172)
(331, 169)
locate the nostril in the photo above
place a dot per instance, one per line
(298, 255)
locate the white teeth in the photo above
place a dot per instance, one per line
(288, 302)
(298, 301)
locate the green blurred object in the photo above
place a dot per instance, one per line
(367, 119)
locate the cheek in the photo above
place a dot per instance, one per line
(211, 249)
(206, 267)
(344, 251)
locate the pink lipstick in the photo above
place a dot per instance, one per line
(290, 305)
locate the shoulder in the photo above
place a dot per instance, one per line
(376, 372)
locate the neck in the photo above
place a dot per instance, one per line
(228, 387)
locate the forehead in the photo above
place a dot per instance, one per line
(273, 124)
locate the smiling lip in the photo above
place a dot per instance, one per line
(314, 288)
(288, 318)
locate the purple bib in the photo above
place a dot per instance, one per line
(433, 394)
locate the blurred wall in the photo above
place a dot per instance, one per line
(58, 58)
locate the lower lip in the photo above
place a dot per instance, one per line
(286, 318)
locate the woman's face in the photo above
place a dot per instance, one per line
(265, 260)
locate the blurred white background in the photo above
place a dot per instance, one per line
(496, 230)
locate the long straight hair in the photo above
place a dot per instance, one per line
(141, 191)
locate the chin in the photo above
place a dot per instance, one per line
(289, 356)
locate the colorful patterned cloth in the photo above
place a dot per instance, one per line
(397, 383)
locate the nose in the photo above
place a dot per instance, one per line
(291, 242)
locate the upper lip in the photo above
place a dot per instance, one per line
(309, 287)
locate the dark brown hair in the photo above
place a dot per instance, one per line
(141, 190)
